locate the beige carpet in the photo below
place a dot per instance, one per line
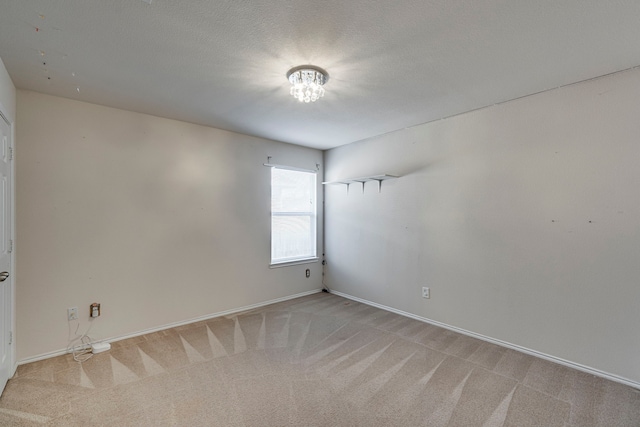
(320, 360)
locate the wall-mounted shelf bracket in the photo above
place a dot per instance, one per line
(363, 180)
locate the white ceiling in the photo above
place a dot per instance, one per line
(392, 63)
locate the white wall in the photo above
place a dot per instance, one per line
(7, 94)
(523, 218)
(158, 220)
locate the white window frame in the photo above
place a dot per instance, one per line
(313, 220)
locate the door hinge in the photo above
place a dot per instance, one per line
(10, 153)
(10, 337)
(10, 246)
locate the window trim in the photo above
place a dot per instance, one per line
(294, 262)
(313, 214)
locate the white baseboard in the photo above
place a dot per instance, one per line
(501, 343)
(173, 325)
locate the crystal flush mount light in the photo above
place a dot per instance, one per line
(306, 82)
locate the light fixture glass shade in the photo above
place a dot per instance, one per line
(306, 83)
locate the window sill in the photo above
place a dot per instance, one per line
(296, 262)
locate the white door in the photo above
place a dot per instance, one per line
(6, 312)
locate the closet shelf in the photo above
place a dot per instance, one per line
(363, 179)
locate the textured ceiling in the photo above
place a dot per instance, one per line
(393, 63)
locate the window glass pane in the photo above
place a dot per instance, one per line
(292, 191)
(291, 237)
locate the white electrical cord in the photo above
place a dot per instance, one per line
(80, 346)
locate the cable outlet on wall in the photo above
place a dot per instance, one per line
(72, 313)
(426, 293)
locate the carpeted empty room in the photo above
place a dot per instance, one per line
(319, 360)
(319, 213)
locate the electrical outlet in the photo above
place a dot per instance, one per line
(72, 313)
(426, 293)
(94, 309)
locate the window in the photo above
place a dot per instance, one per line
(293, 215)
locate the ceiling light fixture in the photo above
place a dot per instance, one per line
(306, 82)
